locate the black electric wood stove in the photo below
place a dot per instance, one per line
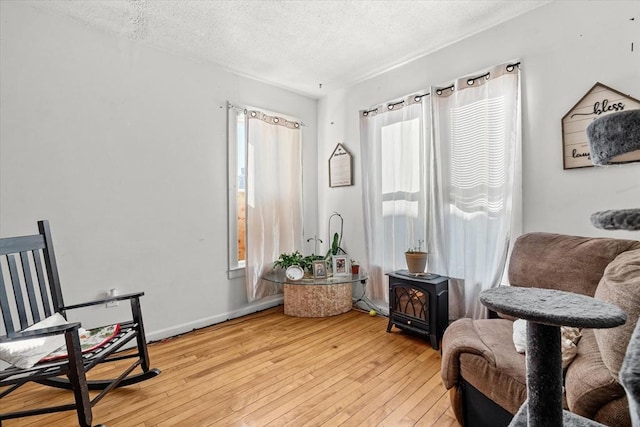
(419, 303)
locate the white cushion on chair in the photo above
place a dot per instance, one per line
(569, 340)
(26, 353)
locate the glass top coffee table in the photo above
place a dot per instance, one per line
(310, 297)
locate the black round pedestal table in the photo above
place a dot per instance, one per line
(546, 310)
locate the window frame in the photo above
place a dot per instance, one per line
(235, 267)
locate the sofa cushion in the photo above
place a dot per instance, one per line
(620, 285)
(567, 263)
(614, 413)
(588, 383)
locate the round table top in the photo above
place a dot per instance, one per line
(278, 276)
(553, 307)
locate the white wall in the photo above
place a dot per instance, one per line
(565, 48)
(123, 149)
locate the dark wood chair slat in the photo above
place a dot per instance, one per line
(29, 286)
(17, 291)
(4, 306)
(44, 292)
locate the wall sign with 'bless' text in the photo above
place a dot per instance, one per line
(600, 100)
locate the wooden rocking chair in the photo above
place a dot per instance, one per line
(32, 292)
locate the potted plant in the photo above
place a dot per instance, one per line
(287, 260)
(335, 248)
(416, 258)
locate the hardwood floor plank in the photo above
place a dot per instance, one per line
(431, 417)
(324, 411)
(416, 399)
(269, 369)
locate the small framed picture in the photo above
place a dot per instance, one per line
(341, 265)
(319, 269)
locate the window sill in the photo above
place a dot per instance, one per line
(234, 273)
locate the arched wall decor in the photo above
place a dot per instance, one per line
(599, 101)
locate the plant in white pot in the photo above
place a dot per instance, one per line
(416, 258)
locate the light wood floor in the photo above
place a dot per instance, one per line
(268, 369)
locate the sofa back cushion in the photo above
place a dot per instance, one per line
(620, 285)
(558, 261)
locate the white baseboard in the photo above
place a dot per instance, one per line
(263, 304)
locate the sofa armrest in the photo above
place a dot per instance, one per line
(461, 337)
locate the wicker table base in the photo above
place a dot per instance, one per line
(317, 300)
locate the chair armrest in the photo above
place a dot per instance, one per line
(134, 295)
(38, 333)
(461, 337)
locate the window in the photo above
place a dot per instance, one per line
(393, 151)
(274, 196)
(402, 193)
(475, 146)
(264, 193)
(237, 150)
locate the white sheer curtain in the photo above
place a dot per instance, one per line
(476, 139)
(394, 183)
(274, 197)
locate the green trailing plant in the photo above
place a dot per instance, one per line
(286, 260)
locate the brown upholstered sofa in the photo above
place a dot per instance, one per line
(485, 374)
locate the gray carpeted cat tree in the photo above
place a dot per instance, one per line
(546, 310)
(630, 376)
(612, 138)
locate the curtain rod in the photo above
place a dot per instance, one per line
(392, 105)
(471, 80)
(276, 119)
(439, 91)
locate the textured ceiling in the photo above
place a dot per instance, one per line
(310, 47)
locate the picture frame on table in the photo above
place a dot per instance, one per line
(341, 266)
(319, 269)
